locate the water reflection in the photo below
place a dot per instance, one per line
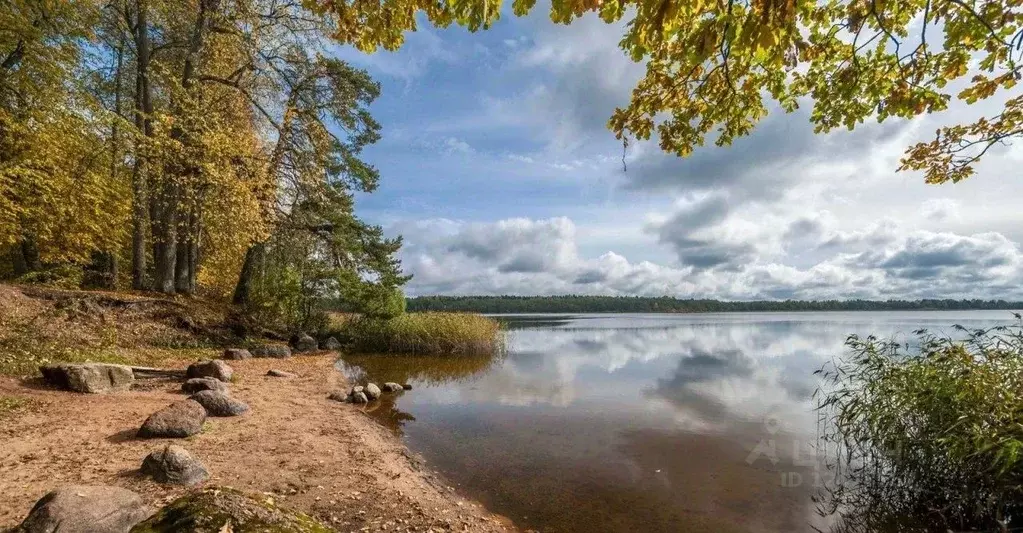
(613, 423)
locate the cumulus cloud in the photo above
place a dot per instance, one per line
(526, 257)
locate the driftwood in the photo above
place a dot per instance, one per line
(145, 372)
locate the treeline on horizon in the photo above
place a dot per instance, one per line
(664, 304)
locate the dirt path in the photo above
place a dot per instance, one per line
(307, 452)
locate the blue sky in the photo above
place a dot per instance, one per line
(497, 168)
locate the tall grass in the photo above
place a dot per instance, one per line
(926, 437)
(424, 333)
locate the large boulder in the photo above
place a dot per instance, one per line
(90, 377)
(271, 350)
(331, 344)
(358, 397)
(174, 465)
(210, 369)
(304, 343)
(195, 385)
(236, 354)
(219, 403)
(216, 510)
(372, 391)
(177, 420)
(86, 509)
(392, 387)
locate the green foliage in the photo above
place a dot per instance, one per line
(375, 300)
(665, 304)
(278, 299)
(424, 333)
(62, 276)
(927, 437)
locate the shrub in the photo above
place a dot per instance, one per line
(424, 333)
(927, 436)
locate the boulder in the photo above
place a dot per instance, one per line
(218, 403)
(392, 387)
(304, 343)
(236, 354)
(358, 397)
(174, 465)
(271, 350)
(338, 396)
(407, 386)
(220, 509)
(177, 420)
(357, 388)
(274, 373)
(86, 509)
(210, 369)
(331, 344)
(195, 385)
(372, 391)
(90, 377)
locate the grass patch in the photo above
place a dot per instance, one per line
(11, 404)
(21, 359)
(424, 333)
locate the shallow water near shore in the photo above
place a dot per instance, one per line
(677, 423)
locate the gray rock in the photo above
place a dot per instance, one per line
(275, 351)
(236, 354)
(210, 369)
(392, 387)
(177, 420)
(174, 465)
(90, 377)
(86, 509)
(331, 344)
(225, 509)
(305, 343)
(372, 391)
(357, 388)
(195, 385)
(358, 397)
(339, 396)
(274, 373)
(407, 386)
(219, 403)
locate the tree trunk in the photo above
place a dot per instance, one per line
(243, 290)
(18, 261)
(193, 250)
(165, 238)
(143, 121)
(30, 251)
(182, 265)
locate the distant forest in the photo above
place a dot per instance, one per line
(636, 304)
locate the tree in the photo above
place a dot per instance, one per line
(711, 67)
(59, 201)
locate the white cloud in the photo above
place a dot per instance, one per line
(523, 256)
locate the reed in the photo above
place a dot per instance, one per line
(424, 333)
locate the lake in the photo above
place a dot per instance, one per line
(699, 422)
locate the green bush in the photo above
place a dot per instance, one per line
(59, 277)
(925, 437)
(424, 333)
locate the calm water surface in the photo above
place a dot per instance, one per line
(593, 423)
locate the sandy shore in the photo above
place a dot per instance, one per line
(322, 457)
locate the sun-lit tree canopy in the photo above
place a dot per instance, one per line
(713, 67)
